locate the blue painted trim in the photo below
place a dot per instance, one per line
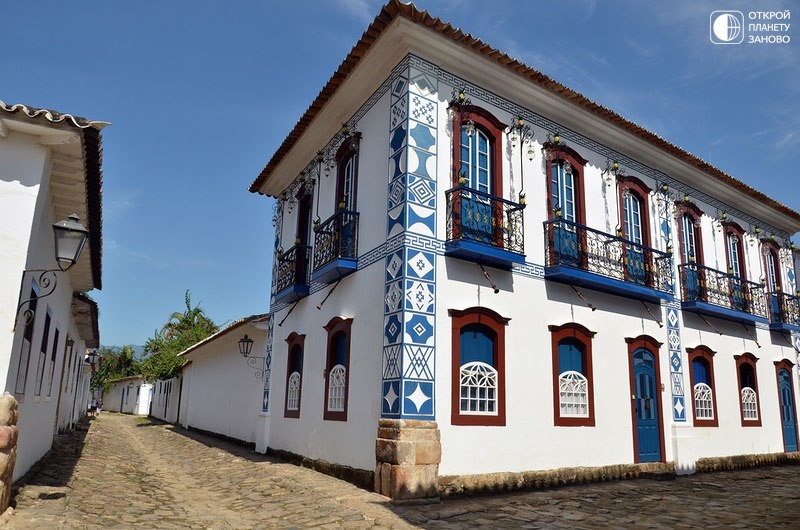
(334, 269)
(605, 284)
(704, 308)
(783, 326)
(292, 293)
(483, 253)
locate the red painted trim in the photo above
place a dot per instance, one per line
(788, 365)
(493, 128)
(348, 149)
(706, 353)
(733, 228)
(496, 323)
(293, 340)
(750, 360)
(772, 247)
(642, 192)
(557, 153)
(696, 214)
(584, 336)
(653, 346)
(336, 326)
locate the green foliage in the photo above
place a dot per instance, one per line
(114, 364)
(182, 331)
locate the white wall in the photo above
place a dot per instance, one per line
(221, 393)
(165, 398)
(130, 395)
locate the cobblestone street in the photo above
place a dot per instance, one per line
(130, 472)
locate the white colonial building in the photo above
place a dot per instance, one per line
(479, 270)
(220, 390)
(129, 395)
(50, 168)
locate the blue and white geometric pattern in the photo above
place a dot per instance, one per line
(267, 366)
(409, 360)
(675, 363)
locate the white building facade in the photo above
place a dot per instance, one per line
(50, 168)
(221, 389)
(482, 271)
(128, 395)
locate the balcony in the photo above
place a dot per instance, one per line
(578, 255)
(784, 312)
(336, 247)
(291, 274)
(714, 293)
(484, 228)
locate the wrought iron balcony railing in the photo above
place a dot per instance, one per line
(336, 238)
(710, 286)
(291, 275)
(484, 228)
(336, 247)
(572, 246)
(784, 309)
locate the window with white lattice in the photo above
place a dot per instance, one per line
(337, 368)
(478, 388)
(703, 402)
(748, 389)
(701, 360)
(294, 375)
(572, 375)
(478, 356)
(293, 392)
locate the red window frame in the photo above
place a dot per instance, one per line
(561, 153)
(735, 229)
(580, 333)
(696, 214)
(336, 326)
(489, 124)
(707, 354)
(294, 340)
(642, 192)
(748, 359)
(497, 323)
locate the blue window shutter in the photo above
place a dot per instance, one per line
(700, 371)
(570, 356)
(340, 345)
(477, 344)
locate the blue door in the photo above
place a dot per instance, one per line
(787, 410)
(646, 415)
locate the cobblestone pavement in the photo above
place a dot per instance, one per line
(127, 472)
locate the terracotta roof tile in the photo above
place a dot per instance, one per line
(395, 8)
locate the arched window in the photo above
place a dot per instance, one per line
(337, 369)
(573, 386)
(347, 173)
(701, 360)
(565, 184)
(772, 274)
(294, 375)
(734, 250)
(748, 389)
(477, 152)
(635, 229)
(478, 358)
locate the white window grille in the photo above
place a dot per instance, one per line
(749, 404)
(478, 389)
(573, 394)
(293, 393)
(703, 402)
(337, 383)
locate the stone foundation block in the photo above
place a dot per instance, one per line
(408, 453)
(8, 437)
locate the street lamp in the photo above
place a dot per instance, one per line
(70, 237)
(245, 346)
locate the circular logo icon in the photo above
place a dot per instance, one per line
(726, 27)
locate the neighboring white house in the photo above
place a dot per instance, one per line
(50, 168)
(166, 399)
(483, 271)
(220, 390)
(129, 395)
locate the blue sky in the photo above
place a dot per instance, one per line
(201, 93)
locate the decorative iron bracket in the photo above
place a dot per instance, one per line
(47, 282)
